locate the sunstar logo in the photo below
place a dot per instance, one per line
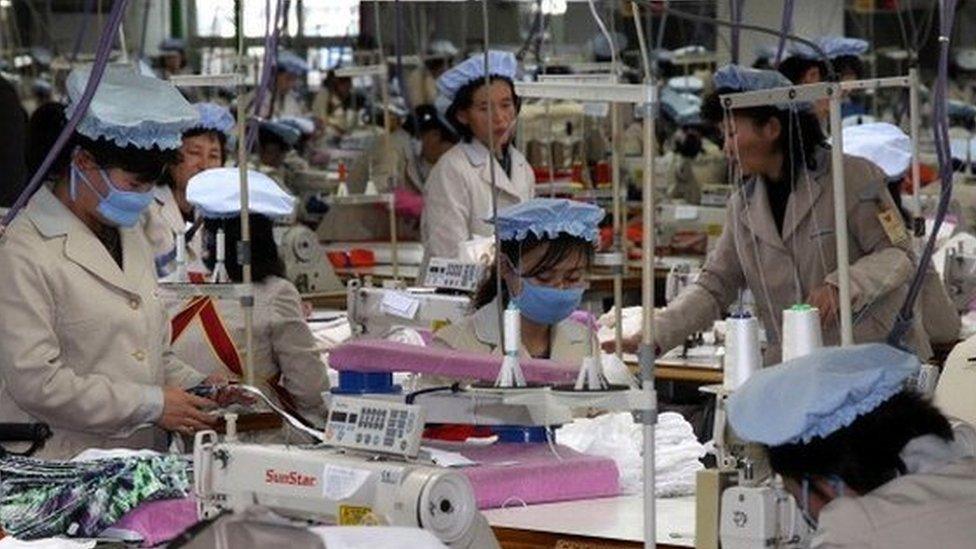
(290, 478)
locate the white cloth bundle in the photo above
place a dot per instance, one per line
(617, 436)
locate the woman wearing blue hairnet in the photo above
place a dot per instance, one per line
(83, 337)
(202, 148)
(779, 237)
(869, 462)
(547, 248)
(458, 192)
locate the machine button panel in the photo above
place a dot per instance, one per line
(375, 425)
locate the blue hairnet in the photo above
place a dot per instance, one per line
(818, 394)
(547, 217)
(305, 126)
(744, 79)
(217, 193)
(214, 117)
(291, 63)
(131, 109)
(288, 133)
(601, 48)
(959, 109)
(172, 44)
(833, 47)
(683, 108)
(500, 63)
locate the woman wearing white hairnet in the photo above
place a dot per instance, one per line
(83, 338)
(779, 239)
(209, 333)
(458, 193)
(202, 148)
(889, 148)
(869, 462)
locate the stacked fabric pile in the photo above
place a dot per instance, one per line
(617, 436)
(41, 499)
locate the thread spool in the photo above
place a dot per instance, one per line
(801, 331)
(513, 332)
(743, 356)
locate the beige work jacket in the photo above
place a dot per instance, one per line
(934, 509)
(782, 269)
(83, 343)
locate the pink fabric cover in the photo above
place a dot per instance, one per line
(160, 521)
(373, 355)
(408, 203)
(536, 476)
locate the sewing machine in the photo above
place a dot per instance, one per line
(368, 472)
(305, 263)
(960, 276)
(376, 311)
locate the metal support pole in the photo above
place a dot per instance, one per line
(619, 230)
(840, 218)
(914, 121)
(244, 249)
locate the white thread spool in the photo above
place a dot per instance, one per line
(513, 330)
(801, 331)
(743, 356)
(510, 374)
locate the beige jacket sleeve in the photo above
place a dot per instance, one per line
(884, 266)
(939, 316)
(446, 210)
(702, 303)
(34, 374)
(303, 373)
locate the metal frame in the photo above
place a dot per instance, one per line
(832, 91)
(588, 91)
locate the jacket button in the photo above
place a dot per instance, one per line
(139, 355)
(134, 303)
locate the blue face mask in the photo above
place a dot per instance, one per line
(121, 208)
(546, 305)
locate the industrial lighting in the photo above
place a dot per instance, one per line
(8, 3)
(553, 7)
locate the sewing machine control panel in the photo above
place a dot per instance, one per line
(453, 275)
(375, 426)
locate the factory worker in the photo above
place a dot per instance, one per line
(275, 141)
(333, 104)
(870, 463)
(209, 333)
(422, 81)
(547, 248)
(289, 70)
(458, 192)
(172, 53)
(433, 139)
(779, 238)
(203, 147)
(889, 148)
(392, 167)
(806, 66)
(83, 338)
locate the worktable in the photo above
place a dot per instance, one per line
(605, 523)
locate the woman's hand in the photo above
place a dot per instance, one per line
(826, 299)
(185, 413)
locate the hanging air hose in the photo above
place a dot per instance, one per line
(267, 68)
(735, 11)
(785, 27)
(940, 128)
(831, 75)
(105, 42)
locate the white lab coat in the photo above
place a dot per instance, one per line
(458, 196)
(84, 344)
(161, 221)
